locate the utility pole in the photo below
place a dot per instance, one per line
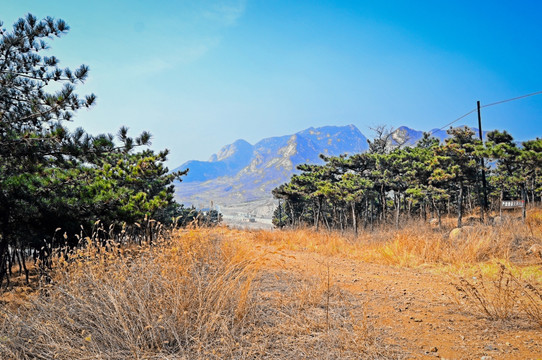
(484, 184)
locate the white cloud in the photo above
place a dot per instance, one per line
(226, 12)
(184, 54)
(204, 34)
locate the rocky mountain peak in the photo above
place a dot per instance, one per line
(239, 149)
(241, 172)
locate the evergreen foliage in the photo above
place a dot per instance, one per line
(389, 182)
(51, 178)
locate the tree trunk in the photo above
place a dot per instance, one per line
(326, 221)
(334, 216)
(11, 261)
(500, 203)
(532, 192)
(460, 205)
(469, 199)
(366, 212)
(524, 195)
(17, 257)
(397, 209)
(316, 215)
(4, 246)
(318, 211)
(372, 213)
(22, 261)
(384, 205)
(481, 201)
(354, 218)
(292, 214)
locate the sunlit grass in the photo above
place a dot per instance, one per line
(223, 293)
(489, 264)
(189, 294)
(206, 293)
(419, 244)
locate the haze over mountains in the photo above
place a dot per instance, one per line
(242, 172)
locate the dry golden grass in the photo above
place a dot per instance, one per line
(534, 222)
(307, 317)
(205, 294)
(220, 293)
(502, 297)
(416, 244)
(184, 297)
(501, 292)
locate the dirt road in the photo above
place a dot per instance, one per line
(415, 310)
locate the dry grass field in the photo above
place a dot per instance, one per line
(234, 294)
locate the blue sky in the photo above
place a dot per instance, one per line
(200, 74)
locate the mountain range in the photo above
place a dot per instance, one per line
(242, 172)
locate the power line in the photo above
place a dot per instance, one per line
(487, 105)
(512, 99)
(456, 120)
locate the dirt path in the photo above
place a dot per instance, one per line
(416, 310)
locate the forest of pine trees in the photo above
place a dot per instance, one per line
(388, 184)
(57, 184)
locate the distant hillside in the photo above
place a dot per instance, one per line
(241, 172)
(227, 162)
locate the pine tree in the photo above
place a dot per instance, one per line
(456, 164)
(33, 141)
(52, 178)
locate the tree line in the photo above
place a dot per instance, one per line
(53, 180)
(391, 182)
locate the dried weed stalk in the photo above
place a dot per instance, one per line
(188, 296)
(416, 243)
(502, 297)
(204, 294)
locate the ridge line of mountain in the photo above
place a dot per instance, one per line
(241, 172)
